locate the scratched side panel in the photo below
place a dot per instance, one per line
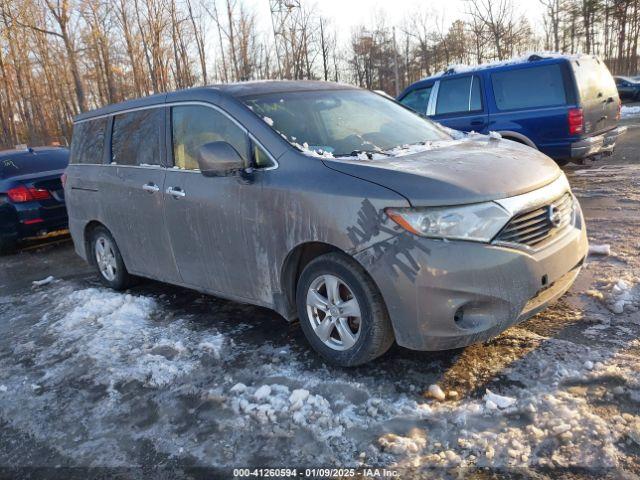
(304, 201)
(82, 197)
(245, 228)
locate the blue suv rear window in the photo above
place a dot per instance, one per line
(541, 86)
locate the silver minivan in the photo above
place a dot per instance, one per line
(328, 204)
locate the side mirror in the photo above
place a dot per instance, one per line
(217, 159)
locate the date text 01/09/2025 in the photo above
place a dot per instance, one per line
(314, 472)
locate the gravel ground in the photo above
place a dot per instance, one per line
(163, 377)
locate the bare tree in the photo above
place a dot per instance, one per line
(553, 10)
(499, 19)
(61, 57)
(198, 33)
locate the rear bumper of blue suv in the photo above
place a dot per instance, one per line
(585, 147)
(599, 144)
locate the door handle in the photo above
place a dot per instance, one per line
(477, 123)
(151, 187)
(176, 192)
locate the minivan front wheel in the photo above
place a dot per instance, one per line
(108, 261)
(341, 311)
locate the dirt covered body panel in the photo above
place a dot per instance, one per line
(474, 169)
(449, 294)
(229, 236)
(232, 235)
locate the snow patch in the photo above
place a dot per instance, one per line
(117, 334)
(297, 398)
(213, 344)
(622, 295)
(262, 393)
(462, 68)
(44, 281)
(413, 443)
(434, 391)
(272, 403)
(599, 249)
(304, 148)
(627, 112)
(494, 401)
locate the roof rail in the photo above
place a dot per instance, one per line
(449, 71)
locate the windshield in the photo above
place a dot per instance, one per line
(343, 122)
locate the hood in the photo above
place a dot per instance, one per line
(471, 170)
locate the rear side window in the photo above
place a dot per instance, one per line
(194, 125)
(529, 87)
(87, 144)
(136, 137)
(459, 95)
(418, 99)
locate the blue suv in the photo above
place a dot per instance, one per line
(565, 106)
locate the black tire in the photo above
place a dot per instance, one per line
(121, 279)
(7, 245)
(375, 332)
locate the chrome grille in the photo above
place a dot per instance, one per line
(536, 226)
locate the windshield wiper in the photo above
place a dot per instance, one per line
(368, 153)
(421, 142)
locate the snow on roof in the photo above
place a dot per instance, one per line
(527, 57)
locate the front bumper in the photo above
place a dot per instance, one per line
(598, 144)
(442, 295)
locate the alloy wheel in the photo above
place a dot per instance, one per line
(334, 312)
(106, 258)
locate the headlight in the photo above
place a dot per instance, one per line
(479, 222)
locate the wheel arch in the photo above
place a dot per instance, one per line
(517, 137)
(87, 232)
(295, 261)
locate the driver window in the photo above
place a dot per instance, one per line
(195, 125)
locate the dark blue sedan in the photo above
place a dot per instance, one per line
(31, 193)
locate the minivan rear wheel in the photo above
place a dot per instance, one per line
(341, 311)
(108, 261)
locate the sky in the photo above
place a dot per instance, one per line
(347, 14)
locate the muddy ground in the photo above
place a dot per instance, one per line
(161, 380)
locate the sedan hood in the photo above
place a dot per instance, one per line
(475, 169)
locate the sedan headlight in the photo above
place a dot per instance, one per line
(478, 222)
